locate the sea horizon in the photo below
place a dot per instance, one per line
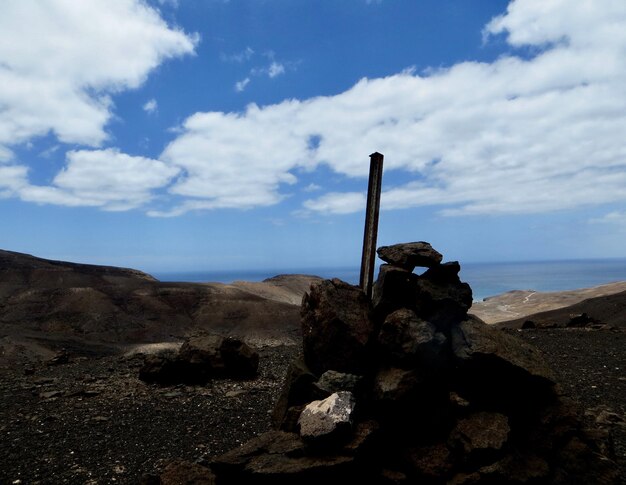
(486, 279)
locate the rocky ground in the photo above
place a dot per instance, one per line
(93, 421)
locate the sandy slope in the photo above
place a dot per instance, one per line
(517, 304)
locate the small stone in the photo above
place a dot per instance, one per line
(394, 384)
(327, 418)
(481, 433)
(235, 393)
(50, 394)
(181, 472)
(332, 381)
(430, 462)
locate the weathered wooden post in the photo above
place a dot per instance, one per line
(371, 222)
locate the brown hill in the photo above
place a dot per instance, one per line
(46, 305)
(607, 310)
(518, 304)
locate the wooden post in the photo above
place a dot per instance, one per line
(371, 223)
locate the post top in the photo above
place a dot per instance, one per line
(376, 155)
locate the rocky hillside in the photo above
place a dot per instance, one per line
(86, 309)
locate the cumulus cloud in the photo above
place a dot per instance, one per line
(98, 178)
(522, 134)
(51, 82)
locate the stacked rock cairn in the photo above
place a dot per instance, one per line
(409, 388)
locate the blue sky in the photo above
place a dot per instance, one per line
(235, 134)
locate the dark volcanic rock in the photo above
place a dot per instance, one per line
(498, 369)
(215, 356)
(161, 369)
(332, 381)
(200, 359)
(280, 458)
(337, 328)
(442, 302)
(410, 255)
(481, 434)
(180, 472)
(395, 288)
(298, 390)
(442, 397)
(407, 341)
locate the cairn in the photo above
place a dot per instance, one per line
(409, 388)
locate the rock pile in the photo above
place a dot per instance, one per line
(410, 389)
(201, 358)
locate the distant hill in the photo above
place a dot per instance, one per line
(606, 309)
(519, 304)
(46, 305)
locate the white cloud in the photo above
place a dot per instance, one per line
(99, 178)
(238, 57)
(151, 106)
(171, 3)
(241, 85)
(275, 69)
(616, 217)
(12, 178)
(312, 188)
(61, 59)
(518, 135)
(337, 203)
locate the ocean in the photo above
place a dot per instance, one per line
(486, 279)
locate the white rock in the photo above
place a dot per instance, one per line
(328, 416)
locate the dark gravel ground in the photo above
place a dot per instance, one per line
(91, 421)
(94, 422)
(590, 366)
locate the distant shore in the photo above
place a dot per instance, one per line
(486, 279)
(520, 303)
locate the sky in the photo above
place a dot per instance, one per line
(199, 135)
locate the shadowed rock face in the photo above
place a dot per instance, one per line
(444, 398)
(90, 309)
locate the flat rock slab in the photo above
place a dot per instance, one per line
(410, 255)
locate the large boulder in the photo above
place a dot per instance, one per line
(395, 288)
(443, 302)
(498, 370)
(410, 255)
(200, 359)
(162, 369)
(213, 355)
(337, 328)
(408, 341)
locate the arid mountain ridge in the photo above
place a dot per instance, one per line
(87, 309)
(48, 305)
